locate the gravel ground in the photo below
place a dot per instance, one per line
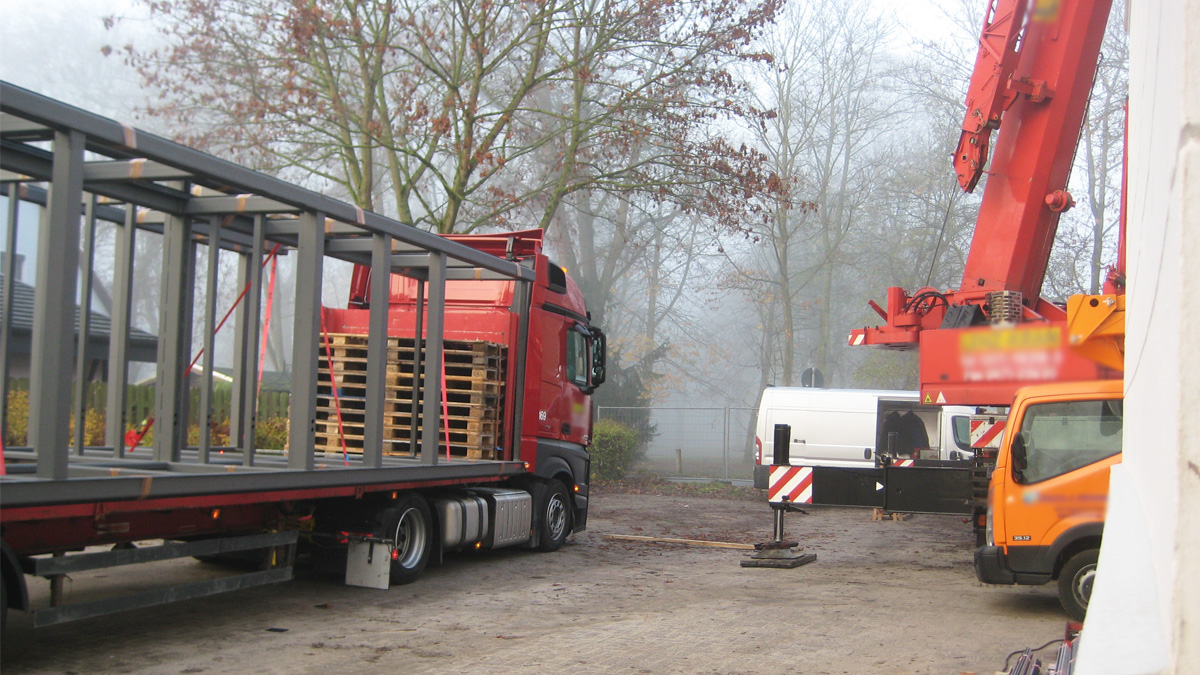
(882, 597)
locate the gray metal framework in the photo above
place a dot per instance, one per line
(83, 165)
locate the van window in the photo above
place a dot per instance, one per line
(1061, 437)
(962, 431)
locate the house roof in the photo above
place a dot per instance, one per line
(142, 345)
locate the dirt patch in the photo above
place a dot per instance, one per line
(882, 597)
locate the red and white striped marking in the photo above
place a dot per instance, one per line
(857, 340)
(986, 433)
(790, 484)
(902, 462)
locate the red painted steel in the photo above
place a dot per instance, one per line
(1032, 79)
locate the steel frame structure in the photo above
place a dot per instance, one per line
(81, 165)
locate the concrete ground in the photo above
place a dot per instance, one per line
(882, 597)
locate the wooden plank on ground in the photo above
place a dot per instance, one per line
(688, 542)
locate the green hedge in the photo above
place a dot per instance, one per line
(270, 431)
(614, 449)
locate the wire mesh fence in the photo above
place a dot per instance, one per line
(691, 443)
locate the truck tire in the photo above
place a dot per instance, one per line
(1075, 582)
(555, 512)
(408, 527)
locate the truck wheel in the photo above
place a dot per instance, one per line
(1075, 582)
(556, 517)
(408, 526)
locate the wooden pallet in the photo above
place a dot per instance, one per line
(474, 394)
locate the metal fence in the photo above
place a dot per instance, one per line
(691, 443)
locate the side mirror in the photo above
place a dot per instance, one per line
(599, 356)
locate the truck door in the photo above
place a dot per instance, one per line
(1058, 466)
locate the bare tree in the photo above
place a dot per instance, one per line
(456, 115)
(826, 146)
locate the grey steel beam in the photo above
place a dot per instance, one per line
(473, 274)
(37, 195)
(210, 320)
(11, 125)
(363, 244)
(131, 169)
(305, 341)
(431, 417)
(6, 298)
(170, 424)
(246, 365)
(236, 416)
(54, 309)
(412, 260)
(32, 492)
(418, 357)
(235, 230)
(36, 163)
(522, 301)
(247, 203)
(118, 345)
(85, 321)
(283, 227)
(120, 139)
(188, 335)
(377, 350)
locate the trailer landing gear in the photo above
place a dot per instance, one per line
(779, 553)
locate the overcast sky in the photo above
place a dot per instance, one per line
(53, 47)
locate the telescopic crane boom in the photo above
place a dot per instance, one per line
(1032, 78)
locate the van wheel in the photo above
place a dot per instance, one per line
(555, 517)
(408, 527)
(1075, 582)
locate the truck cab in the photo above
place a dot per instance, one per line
(1049, 490)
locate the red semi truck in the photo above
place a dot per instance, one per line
(454, 415)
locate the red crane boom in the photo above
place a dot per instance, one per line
(1033, 75)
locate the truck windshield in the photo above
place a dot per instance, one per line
(1061, 437)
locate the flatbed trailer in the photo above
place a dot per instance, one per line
(58, 497)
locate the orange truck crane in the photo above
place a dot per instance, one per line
(995, 341)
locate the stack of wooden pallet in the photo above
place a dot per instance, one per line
(474, 395)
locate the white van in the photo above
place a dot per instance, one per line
(851, 428)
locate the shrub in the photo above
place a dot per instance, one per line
(271, 433)
(218, 434)
(17, 433)
(614, 449)
(18, 418)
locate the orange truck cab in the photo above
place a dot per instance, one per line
(1048, 492)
